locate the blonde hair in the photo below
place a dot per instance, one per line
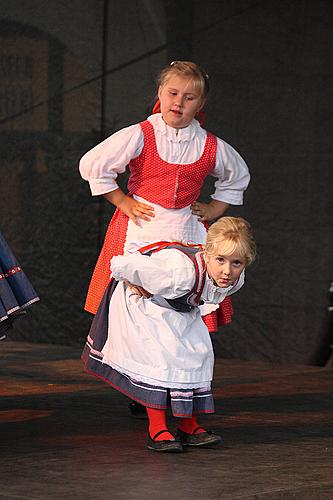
(186, 69)
(230, 235)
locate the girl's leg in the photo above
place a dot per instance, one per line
(157, 423)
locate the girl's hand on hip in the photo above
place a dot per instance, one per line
(209, 212)
(136, 209)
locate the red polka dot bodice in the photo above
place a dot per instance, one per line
(169, 185)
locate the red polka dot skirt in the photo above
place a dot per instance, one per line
(113, 245)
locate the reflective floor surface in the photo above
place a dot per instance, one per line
(66, 435)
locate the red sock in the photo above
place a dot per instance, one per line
(189, 425)
(157, 423)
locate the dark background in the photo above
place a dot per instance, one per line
(70, 75)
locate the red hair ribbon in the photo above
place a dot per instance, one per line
(157, 107)
(200, 116)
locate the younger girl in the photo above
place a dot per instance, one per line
(155, 348)
(169, 156)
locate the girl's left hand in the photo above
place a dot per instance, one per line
(208, 212)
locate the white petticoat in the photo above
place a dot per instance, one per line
(157, 345)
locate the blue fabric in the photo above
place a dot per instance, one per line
(16, 291)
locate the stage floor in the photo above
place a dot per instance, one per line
(66, 435)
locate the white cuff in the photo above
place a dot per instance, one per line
(102, 186)
(228, 196)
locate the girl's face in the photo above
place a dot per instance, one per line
(180, 101)
(224, 270)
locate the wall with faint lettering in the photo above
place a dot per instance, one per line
(71, 74)
(49, 114)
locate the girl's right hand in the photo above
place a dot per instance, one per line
(135, 209)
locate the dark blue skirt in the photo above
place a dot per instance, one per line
(16, 291)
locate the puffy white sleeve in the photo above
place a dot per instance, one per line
(101, 165)
(168, 273)
(232, 174)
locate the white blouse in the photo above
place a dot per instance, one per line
(101, 165)
(168, 273)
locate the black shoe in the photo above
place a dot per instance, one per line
(207, 438)
(169, 445)
(137, 410)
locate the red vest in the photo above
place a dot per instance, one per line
(167, 184)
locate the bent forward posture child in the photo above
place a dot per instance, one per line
(156, 348)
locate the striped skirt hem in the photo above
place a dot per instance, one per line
(182, 402)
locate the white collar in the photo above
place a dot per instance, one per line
(239, 283)
(184, 134)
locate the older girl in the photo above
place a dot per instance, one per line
(169, 156)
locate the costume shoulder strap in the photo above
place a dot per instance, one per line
(211, 146)
(193, 252)
(160, 245)
(147, 127)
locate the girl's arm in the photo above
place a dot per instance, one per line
(168, 273)
(101, 165)
(233, 178)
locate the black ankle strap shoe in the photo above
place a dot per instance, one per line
(207, 438)
(169, 445)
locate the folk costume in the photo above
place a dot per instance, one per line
(167, 170)
(16, 291)
(157, 350)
